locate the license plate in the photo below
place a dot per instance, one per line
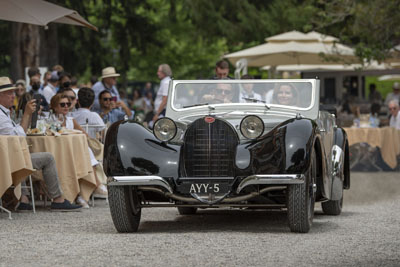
(205, 188)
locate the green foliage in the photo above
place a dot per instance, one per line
(136, 36)
(384, 87)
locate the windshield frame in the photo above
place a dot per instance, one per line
(257, 104)
(176, 113)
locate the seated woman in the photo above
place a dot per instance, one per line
(60, 104)
(70, 93)
(285, 94)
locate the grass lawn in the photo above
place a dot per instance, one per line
(384, 87)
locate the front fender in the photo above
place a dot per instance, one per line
(286, 149)
(131, 149)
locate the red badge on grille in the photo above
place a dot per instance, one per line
(209, 119)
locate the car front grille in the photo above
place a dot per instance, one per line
(209, 149)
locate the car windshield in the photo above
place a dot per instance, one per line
(289, 94)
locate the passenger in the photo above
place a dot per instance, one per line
(222, 93)
(248, 95)
(285, 94)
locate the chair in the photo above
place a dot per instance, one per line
(32, 195)
(2, 209)
(93, 130)
(98, 132)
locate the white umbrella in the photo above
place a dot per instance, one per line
(390, 77)
(296, 48)
(40, 12)
(304, 67)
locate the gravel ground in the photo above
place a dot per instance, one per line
(365, 234)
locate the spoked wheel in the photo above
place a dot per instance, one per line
(124, 208)
(187, 210)
(301, 200)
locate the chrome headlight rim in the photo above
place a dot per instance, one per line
(261, 123)
(157, 122)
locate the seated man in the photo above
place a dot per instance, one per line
(395, 112)
(83, 115)
(222, 93)
(40, 161)
(110, 111)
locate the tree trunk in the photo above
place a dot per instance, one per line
(49, 46)
(25, 46)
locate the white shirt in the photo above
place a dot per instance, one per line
(269, 96)
(83, 114)
(162, 91)
(395, 121)
(392, 96)
(246, 95)
(48, 92)
(7, 126)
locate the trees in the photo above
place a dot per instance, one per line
(136, 36)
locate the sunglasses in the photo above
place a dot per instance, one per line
(224, 92)
(71, 97)
(394, 108)
(63, 104)
(107, 98)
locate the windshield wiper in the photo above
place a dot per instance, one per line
(195, 105)
(253, 100)
(256, 100)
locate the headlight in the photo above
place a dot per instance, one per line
(164, 129)
(252, 127)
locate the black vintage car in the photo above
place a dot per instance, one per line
(230, 143)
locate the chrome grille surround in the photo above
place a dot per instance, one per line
(209, 149)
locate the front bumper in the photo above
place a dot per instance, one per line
(153, 180)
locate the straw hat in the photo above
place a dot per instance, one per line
(5, 84)
(109, 72)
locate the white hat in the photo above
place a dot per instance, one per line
(5, 84)
(396, 86)
(109, 72)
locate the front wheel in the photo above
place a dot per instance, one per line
(124, 208)
(301, 200)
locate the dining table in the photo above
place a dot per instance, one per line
(73, 163)
(16, 164)
(387, 139)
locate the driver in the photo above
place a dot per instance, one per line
(222, 93)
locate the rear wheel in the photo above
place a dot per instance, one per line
(187, 210)
(332, 207)
(301, 200)
(124, 208)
